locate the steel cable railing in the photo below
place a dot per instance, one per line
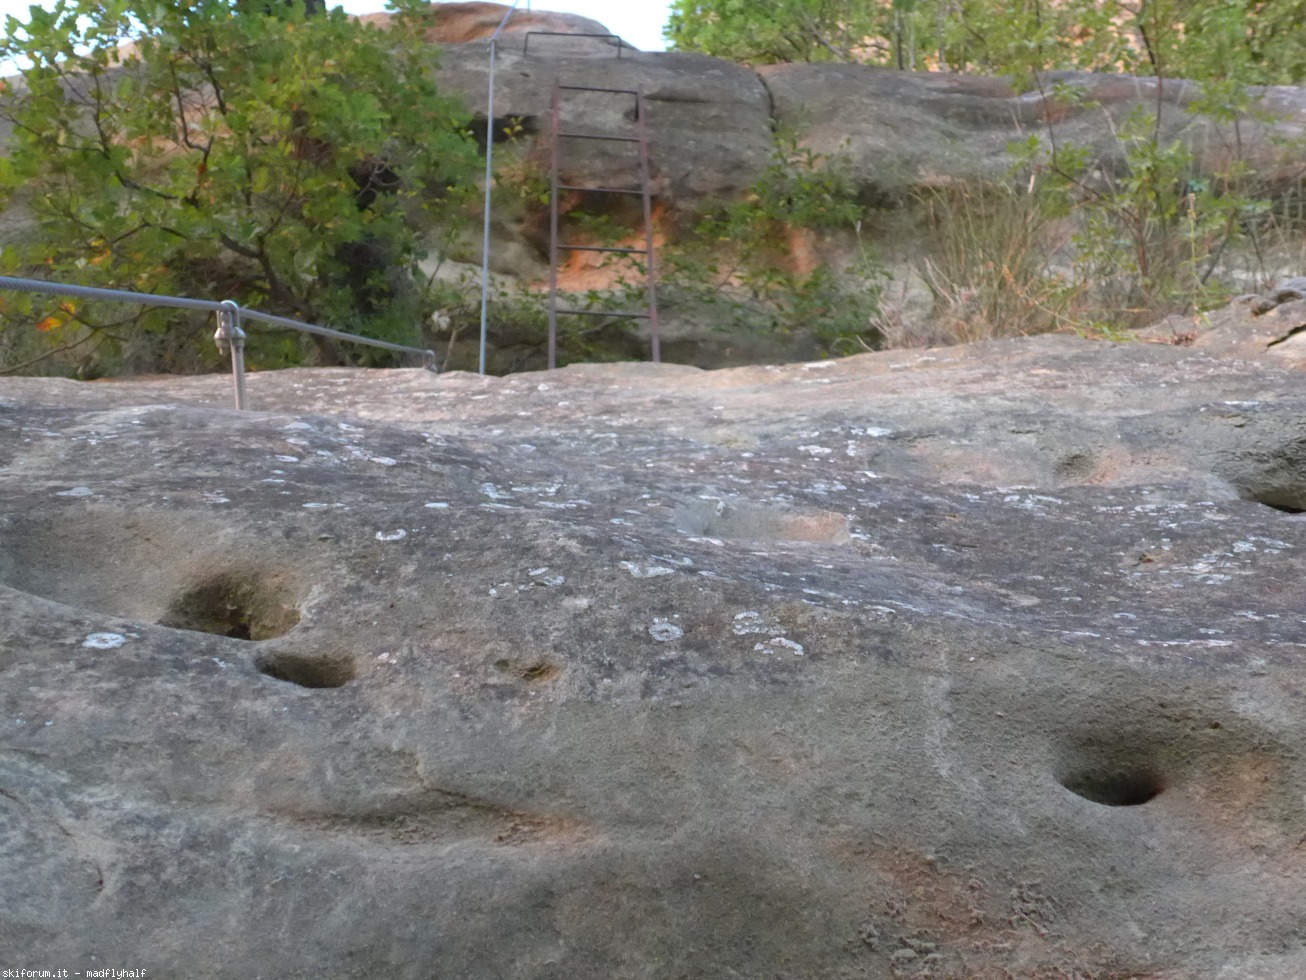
(229, 334)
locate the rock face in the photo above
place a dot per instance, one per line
(975, 662)
(710, 120)
(902, 130)
(713, 122)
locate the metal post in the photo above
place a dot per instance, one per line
(229, 334)
(553, 236)
(485, 245)
(489, 178)
(650, 272)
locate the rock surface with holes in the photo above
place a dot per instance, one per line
(974, 662)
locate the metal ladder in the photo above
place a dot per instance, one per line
(640, 139)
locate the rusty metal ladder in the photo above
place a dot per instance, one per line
(638, 138)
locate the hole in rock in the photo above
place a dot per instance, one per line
(531, 671)
(1076, 466)
(505, 128)
(243, 607)
(307, 670)
(747, 521)
(1115, 787)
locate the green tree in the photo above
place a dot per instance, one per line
(1259, 41)
(226, 150)
(778, 30)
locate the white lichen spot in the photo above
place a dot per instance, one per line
(665, 632)
(437, 505)
(750, 621)
(314, 505)
(104, 641)
(778, 643)
(813, 450)
(548, 490)
(493, 492)
(286, 459)
(646, 571)
(76, 492)
(383, 460)
(396, 535)
(295, 427)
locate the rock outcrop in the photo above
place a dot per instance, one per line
(713, 122)
(975, 662)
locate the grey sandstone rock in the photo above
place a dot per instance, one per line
(989, 654)
(710, 120)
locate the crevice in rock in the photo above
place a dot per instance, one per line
(1287, 336)
(1283, 499)
(770, 101)
(1284, 508)
(532, 671)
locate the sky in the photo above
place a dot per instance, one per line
(638, 21)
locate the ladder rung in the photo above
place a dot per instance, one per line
(627, 313)
(600, 190)
(601, 248)
(598, 136)
(589, 88)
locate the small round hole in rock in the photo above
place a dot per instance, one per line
(242, 607)
(307, 670)
(1127, 787)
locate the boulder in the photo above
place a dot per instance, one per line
(457, 23)
(901, 130)
(713, 122)
(982, 661)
